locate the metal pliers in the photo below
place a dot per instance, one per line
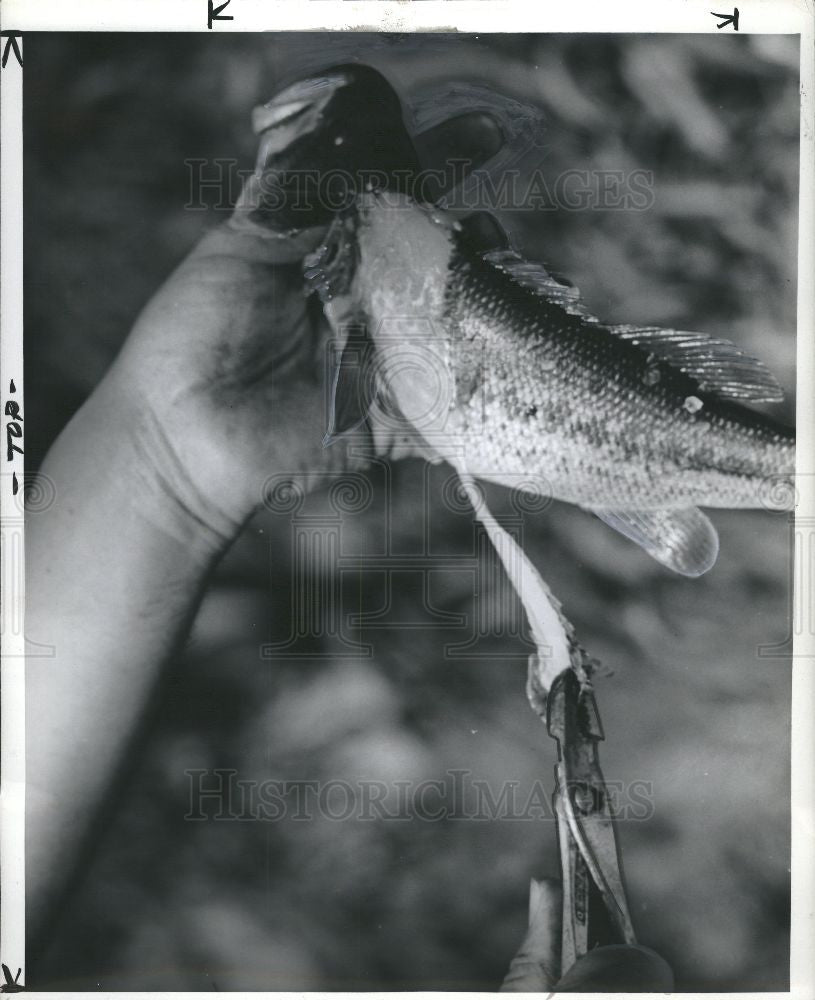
(595, 910)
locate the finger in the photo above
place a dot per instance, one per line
(536, 966)
(257, 211)
(618, 968)
(253, 219)
(241, 238)
(250, 234)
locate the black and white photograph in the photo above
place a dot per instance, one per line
(414, 566)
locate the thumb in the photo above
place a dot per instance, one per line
(536, 966)
(618, 968)
(263, 212)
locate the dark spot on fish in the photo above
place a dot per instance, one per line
(532, 411)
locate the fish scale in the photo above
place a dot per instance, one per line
(497, 364)
(504, 372)
(627, 421)
(642, 426)
(599, 434)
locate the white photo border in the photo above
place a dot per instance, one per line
(497, 16)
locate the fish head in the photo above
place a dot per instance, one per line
(324, 140)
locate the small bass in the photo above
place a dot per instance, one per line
(502, 369)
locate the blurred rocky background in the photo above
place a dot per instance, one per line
(413, 689)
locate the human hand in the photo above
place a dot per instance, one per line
(609, 969)
(222, 381)
(219, 386)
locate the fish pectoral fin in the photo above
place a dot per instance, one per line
(351, 384)
(683, 539)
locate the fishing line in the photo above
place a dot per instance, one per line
(556, 646)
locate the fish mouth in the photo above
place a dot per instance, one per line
(294, 112)
(322, 139)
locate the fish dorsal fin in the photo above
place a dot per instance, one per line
(718, 366)
(535, 276)
(682, 539)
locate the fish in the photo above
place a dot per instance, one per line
(501, 369)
